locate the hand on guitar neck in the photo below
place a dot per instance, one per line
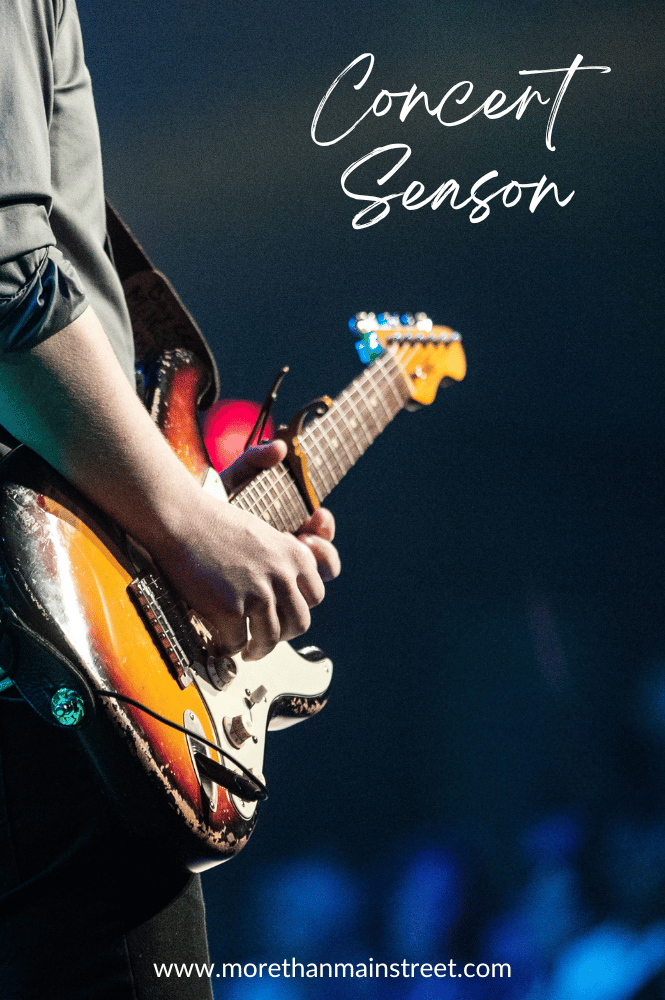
(317, 532)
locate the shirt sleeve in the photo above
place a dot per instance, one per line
(40, 292)
(46, 298)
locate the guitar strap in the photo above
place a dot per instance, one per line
(159, 319)
(160, 322)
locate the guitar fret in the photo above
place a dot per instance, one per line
(369, 417)
(260, 500)
(296, 506)
(241, 502)
(358, 422)
(276, 512)
(320, 428)
(290, 494)
(381, 400)
(294, 521)
(341, 437)
(371, 402)
(396, 381)
(336, 467)
(319, 471)
(283, 503)
(332, 444)
(355, 449)
(263, 505)
(399, 381)
(256, 498)
(277, 495)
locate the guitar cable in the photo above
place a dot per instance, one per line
(249, 788)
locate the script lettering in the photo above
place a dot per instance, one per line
(493, 107)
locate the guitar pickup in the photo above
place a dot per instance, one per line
(166, 622)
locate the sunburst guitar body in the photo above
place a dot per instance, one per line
(98, 643)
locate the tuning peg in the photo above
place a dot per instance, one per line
(361, 323)
(388, 319)
(369, 347)
(423, 322)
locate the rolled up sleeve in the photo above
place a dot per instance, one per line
(40, 292)
(47, 297)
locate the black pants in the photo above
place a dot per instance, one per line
(86, 906)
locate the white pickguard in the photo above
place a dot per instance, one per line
(283, 672)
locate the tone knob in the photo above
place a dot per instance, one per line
(239, 728)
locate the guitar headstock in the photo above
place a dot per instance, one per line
(428, 355)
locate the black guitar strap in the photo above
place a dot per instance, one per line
(159, 319)
(160, 322)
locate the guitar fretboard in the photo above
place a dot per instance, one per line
(332, 444)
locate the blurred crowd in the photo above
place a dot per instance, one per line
(584, 920)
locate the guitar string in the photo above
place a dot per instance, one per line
(115, 696)
(283, 489)
(318, 432)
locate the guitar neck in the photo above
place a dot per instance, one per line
(332, 444)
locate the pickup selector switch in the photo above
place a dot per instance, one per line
(256, 696)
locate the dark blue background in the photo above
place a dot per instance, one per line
(498, 629)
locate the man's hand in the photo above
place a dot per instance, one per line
(234, 569)
(317, 532)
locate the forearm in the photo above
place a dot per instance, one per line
(69, 400)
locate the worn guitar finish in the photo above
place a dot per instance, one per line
(89, 615)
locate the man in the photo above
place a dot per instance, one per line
(86, 906)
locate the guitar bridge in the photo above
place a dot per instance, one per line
(167, 623)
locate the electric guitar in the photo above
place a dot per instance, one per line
(97, 642)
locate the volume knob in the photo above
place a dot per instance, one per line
(220, 671)
(239, 728)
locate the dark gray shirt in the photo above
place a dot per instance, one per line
(54, 254)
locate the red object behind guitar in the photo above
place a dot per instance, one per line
(226, 427)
